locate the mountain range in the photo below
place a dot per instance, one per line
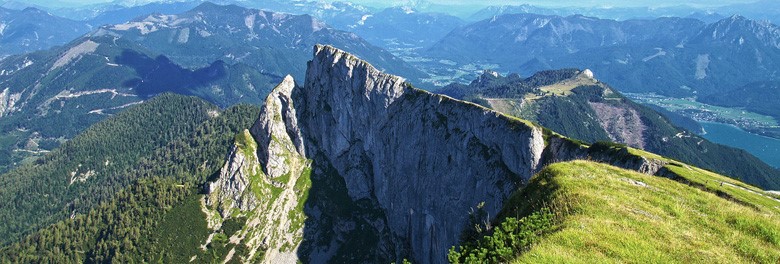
(615, 13)
(32, 29)
(671, 56)
(757, 10)
(400, 27)
(277, 42)
(50, 96)
(356, 165)
(121, 14)
(194, 132)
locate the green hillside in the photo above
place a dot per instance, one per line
(65, 90)
(171, 136)
(589, 212)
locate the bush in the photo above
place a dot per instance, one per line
(508, 240)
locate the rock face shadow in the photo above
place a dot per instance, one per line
(339, 229)
(219, 83)
(160, 74)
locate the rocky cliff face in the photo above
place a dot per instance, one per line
(425, 159)
(371, 169)
(8, 102)
(229, 191)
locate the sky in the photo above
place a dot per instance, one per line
(550, 3)
(581, 3)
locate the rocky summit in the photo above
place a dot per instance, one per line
(358, 165)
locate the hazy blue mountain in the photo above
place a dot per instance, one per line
(275, 43)
(517, 38)
(18, 5)
(392, 27)
(32, 29)
(617, 13)
(403, 26)
(759, 10)
(491, 11)
(707, 17)
(671, 56)
(122, 15)
(342, 15)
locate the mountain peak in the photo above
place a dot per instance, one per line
(330, 54)
(212, 7)
(31, 9)
(740, 30)
(328, 58)
(366, 119)
(736, 17)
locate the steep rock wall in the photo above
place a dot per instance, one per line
(425, 159)
(400, 164)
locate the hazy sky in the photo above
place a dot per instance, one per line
(615, 3)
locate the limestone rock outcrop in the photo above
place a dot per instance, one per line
(229, 191)
(360, 155)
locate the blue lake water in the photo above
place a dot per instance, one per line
(766, 149)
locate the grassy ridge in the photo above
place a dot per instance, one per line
(603, 213)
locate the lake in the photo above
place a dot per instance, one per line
(766, 149)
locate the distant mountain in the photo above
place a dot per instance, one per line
(50, 96)
(670, 56)
(706, 16)
(32, 29)
(514, 39)
(339, 14)
(391, 27)
(394, 27)
(617, 13)
(274, 43)
(758, 10)
(405, 27)
(342, 15)
(575, 104)
(17, 5)
(123, 15)
(491, 11)
(134, 3)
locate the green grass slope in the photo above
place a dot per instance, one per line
(590, 212)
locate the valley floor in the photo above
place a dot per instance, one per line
(689, 107)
